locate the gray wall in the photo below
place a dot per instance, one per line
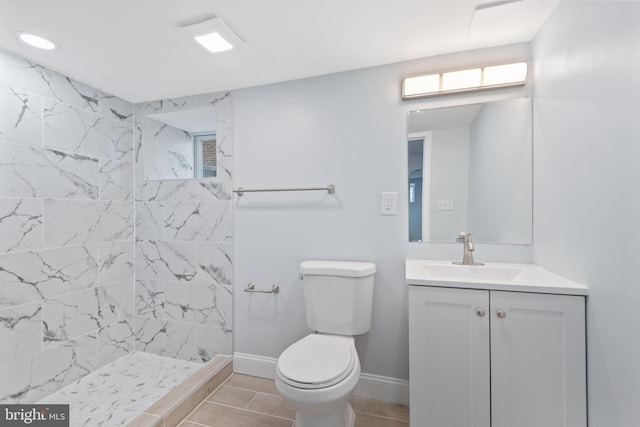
(347, 129)
(587, 179)
(500, 191)
(449, 180)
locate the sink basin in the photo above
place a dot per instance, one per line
(452, 272)
(491, 276)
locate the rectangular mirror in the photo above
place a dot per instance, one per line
(180, 144)
(471, 168)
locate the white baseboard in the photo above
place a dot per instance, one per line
(382, 388)
(373, 386)
(256, 366)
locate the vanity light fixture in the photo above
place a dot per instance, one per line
(35, 40)
(495, 76)
(214, 35)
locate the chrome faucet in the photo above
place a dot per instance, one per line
(467, 258)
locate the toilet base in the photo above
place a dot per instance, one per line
(347, 419)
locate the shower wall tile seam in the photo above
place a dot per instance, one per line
(34, 79)
(70, 179)
(64, 145)
(181, 294)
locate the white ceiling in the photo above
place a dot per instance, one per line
(134, 49)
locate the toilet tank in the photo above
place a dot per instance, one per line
(338, 296)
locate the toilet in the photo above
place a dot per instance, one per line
(319, 373)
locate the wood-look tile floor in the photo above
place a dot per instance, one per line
(244, 401)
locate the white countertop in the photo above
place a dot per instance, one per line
(491, 276)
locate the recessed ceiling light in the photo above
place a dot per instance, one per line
(36, 41)
(214, 35)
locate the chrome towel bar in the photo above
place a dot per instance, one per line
(329, 188)
(251, 287)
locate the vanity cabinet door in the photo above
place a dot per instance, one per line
(449, 357)
(538, 367)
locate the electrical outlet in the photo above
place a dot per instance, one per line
(444, 204)
(388, 203)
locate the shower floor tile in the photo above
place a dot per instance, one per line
(118, 392)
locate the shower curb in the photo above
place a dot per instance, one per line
(174, 406)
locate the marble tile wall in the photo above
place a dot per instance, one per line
(183, 292)
(66, 230)
(171, 155)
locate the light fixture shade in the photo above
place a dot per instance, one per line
(214, 36)
(505, 74)
(421, 84)
(473, 79)
(465, 79)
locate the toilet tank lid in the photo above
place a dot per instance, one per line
(337, 268)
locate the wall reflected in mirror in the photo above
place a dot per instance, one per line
(180, 144)
(470, 168)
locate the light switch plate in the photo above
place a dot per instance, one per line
(444, 204)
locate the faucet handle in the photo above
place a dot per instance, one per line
(462, 236)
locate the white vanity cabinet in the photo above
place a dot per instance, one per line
(495, 358)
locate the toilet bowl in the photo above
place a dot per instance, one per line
(318, 375)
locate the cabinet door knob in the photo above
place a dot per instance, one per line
(501, 314)
(480, 312)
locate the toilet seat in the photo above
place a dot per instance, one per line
(317, 361)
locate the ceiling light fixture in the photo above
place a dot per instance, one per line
(35, 40)
(214, 35)
(490, 77)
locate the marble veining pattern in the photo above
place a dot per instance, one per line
(168, 151)
(166, 260)
(115, 180)
(35, 276)
(115, 340)
(20, 224)
(85, 221)
(150, 298)
(72, 222)
(183, 287)
(181, 340)
(20, 331)
(70, 129)
(27, 171)
(116, 261)
(72, 315)
(115, 394)
(199, 302)
(150, 220)
(71, 179)
(31, 378)
(116, 108)
(66, 230)
(214, 260)
(23, 74)
(21, 118)
(198, 221)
